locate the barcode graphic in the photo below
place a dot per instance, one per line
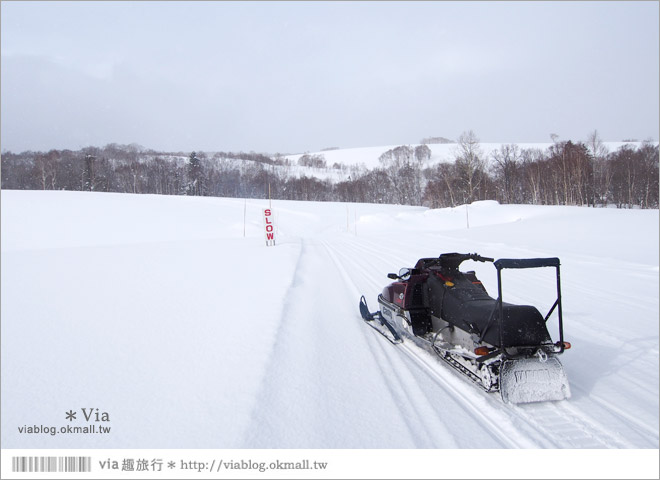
(51, 464)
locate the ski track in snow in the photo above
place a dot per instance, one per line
(266, 345)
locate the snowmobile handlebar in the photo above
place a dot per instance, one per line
(453, 260)
(479, 258)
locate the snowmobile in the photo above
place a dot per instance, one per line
(498, 345)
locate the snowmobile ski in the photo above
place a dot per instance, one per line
(376, 321)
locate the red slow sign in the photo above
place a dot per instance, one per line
(270, 228)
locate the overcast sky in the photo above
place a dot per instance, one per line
(302, 76)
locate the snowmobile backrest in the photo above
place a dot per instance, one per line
(526, 262)
(503, 263)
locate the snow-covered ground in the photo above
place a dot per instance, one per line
(160, 312)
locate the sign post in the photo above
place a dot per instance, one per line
(270, 226)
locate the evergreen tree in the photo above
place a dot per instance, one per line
(88, 173)
(195, 184)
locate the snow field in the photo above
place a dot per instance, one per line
(159, 311)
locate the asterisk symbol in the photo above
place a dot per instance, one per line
(171, 465)
(70, 415)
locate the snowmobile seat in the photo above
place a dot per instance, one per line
(466, 304)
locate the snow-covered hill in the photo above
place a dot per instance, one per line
(191, 333)
(446, 152)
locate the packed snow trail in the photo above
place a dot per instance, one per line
(332, 384)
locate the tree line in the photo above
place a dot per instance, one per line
(566, 173)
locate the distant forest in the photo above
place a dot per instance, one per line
(567, 173)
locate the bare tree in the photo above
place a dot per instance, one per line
(532, 173)
(402, 167)
(442, 186)
(422, 154)
(506, 166)
(46, 165)
(649, 159)
(313, 161)
(601, 176)
(470, 164)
